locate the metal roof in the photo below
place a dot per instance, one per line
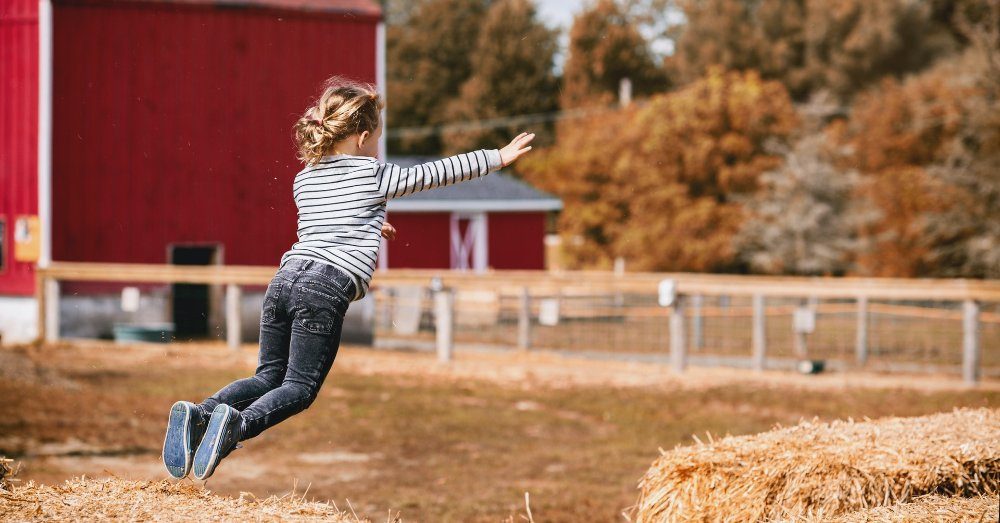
(496, 192)
(360, 8)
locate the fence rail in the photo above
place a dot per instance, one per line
(754, 321)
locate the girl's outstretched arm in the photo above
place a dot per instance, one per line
(396, 181)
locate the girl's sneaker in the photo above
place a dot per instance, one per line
(185, 427)
(221, 438)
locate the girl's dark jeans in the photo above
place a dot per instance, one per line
(299, 335)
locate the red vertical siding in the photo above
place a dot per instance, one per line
(18, 131)
(423, 241)
(173, 124)
(517, 240)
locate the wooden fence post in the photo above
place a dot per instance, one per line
(697, 323)
(233, 323)
(759, 339)
(40, 302)
(970, 341)
(51, 310)
(524, 320)
(678, 349)
(861, 342)
(444, 322)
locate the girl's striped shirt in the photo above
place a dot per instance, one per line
(341, 201)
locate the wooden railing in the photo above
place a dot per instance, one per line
(687, 288)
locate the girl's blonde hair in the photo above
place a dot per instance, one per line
(346, 107)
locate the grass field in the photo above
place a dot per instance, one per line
(400, 432)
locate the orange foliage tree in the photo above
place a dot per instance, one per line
(605, 46)
(808, 45)
(655, 184)
(894, 133)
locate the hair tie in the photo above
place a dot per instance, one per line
(317, 121)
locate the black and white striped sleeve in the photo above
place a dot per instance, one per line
(395, 181)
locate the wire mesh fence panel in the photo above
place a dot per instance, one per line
(484, 316)
(885, 335)
(593, 321)
(726, 323)
(404, 314)
(915, 333)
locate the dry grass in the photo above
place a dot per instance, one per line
(84, 499)
(930, 509)
(825, 469)
(393, 430)
(7, 471)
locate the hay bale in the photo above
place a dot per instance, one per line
(931, 509)
(825, 469)
(85, 499)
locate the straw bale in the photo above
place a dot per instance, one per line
(85, 499)
(825, 469)
(931, 509)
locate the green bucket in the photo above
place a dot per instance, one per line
(149, 333)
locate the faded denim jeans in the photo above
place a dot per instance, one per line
(300, 328)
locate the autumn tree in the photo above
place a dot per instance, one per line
(511, 74)
(896, 133)
(805, 218)
(966, 236)
(656, 184)
(604, 47)
(810, 44)
(428, 59)
(398, 12)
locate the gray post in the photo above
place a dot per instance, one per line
(524, 320)
(970, 341)
(861, 343)
(444, 321)
(799, 344)
(233, 327)
(51, 310)
(697, 338)
(759, 339)
(678, 350)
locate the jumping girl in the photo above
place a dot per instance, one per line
(341, 196)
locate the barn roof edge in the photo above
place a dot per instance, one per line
(362, 9)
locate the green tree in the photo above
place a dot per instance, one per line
(427, 60)
(604, 47)
(511, 74)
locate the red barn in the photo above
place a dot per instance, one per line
(158, 131)
(495, 222)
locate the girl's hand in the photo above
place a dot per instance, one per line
(517, 148)
(388, 231)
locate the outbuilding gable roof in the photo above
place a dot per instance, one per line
(496, 192)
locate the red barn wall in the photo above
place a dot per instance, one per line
(517, 240)
(423, 240)
(172, 124)
(18, 132)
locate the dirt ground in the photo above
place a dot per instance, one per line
(434, 442)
